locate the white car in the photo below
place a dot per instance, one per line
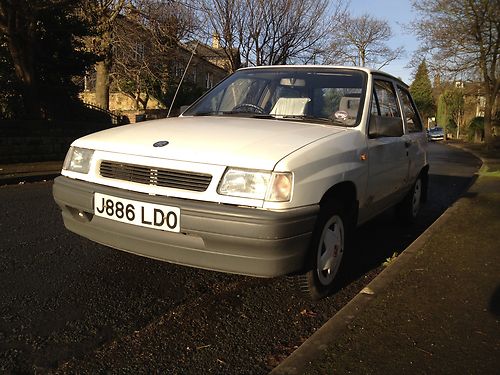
(265, 175)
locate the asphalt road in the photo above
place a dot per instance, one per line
(67, 304)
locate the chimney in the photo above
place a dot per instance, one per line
(215, 40)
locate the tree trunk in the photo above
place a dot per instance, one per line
(102, 83)
(362, 56)
(29, 92)
(145, 101)
(488, 109)
(31, 101)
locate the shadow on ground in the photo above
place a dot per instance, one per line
(380, 239)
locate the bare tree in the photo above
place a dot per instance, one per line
(462, 37)
(133, 61)
(145, 40)
(228, 24)
(293, 28)
(102, 15)
(362, 41)
(269, 32)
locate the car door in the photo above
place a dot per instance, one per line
(415, 137)
(387, 154)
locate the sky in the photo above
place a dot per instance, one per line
(398, 13)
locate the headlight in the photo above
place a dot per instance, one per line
(78, 159)
(271, 186)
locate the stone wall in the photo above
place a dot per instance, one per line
(119, 102)
(24, 142)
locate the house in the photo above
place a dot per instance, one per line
(216, 55)
(146, 74)
(472, 104)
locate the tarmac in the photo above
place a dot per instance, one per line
(434, 310)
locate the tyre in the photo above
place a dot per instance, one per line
(408, 209)
(325, 253)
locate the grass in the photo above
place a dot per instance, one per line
(488, 172)
(391, 259)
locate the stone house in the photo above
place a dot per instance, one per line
(201, 65)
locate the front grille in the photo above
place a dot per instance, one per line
(155, 176)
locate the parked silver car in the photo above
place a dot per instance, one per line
(435, 134)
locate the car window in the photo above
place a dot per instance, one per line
(385, 99)
(412, 120)
(385, 117)
(374, 108)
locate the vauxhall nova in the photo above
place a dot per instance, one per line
(265, 175)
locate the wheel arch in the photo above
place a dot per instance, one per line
(348, 201)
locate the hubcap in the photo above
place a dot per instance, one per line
(330, 250)
(417, 192)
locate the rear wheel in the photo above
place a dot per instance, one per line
(409, 207)
(325, 253)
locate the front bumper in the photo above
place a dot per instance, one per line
(436, 137)
(213, 236)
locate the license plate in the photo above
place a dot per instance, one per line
(144, 214)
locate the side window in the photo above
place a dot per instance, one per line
(385, 119)
(412, 120)
(386, 99)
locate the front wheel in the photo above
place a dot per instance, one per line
(325, 253)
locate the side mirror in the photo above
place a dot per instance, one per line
(382, 126)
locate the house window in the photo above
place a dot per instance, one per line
(178, 69)
(138, 51)
(209, 80)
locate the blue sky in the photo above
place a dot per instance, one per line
(398, 13)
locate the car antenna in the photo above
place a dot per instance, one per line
(182, 78)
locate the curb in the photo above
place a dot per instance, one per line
(20, 179)
(313, 347)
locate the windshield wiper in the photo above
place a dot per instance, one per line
(305, 117)
(207, 113)
(329, 121)
(235, 113)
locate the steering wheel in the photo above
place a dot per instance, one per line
(252, 107)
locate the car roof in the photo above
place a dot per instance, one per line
(321, 67)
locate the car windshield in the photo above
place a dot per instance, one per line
(436, 129)
(331, 96)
